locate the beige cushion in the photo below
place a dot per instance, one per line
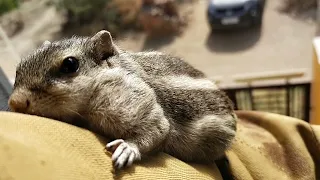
(33, 148)
(267, 146)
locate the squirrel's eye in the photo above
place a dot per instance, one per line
(69, 65)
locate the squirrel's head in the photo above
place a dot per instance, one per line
(54, 81)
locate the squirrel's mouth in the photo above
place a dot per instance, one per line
(80, 122)
(21, 103)
(73, 119)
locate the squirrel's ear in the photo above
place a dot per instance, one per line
(103, 44)
(46, 43)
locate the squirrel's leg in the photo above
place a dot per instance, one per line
(144, 140)
(204, 140)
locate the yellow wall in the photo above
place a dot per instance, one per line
(315, 88)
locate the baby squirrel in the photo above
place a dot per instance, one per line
(145, 101)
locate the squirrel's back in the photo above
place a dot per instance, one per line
(160, 64)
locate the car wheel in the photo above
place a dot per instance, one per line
(258, 21)
(212, 28)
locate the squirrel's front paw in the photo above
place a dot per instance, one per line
(123, 153)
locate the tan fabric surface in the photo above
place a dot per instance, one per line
(267, 146)
(271, 146)
(33, 148)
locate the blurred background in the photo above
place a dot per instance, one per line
(259, 51)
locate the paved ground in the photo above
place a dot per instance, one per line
(283, 43)
(41, 23)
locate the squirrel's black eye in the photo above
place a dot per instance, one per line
(69, 65)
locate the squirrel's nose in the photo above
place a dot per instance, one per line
(19, 103)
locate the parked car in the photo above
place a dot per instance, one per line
(224, 14)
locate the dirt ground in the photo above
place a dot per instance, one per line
(283, 43)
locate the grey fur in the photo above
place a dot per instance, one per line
(151, 100)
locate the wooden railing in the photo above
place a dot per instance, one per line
(292, 99)
(276, 75)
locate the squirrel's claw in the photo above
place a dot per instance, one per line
(124, 154)
(112, 146)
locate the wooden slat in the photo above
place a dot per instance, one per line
(216, 79)
(286, 75)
